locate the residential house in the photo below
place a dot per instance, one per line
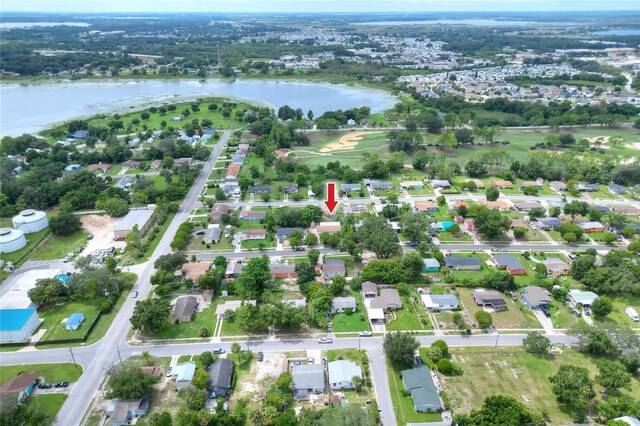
(155, 164)
(582, 298)
(124, 182)
(72, 167)
(627, 210)
(377, 185)
(526, 206)
(183, 374)
(369, 290)
(500, 205)
(591, 226)
(341, 374)
(17, 388)
(238, 159)
(193, 270)
(252, 215)
(253, 234)
(280, 270)
(419, 383)
(231, 189)
(602, 209)
(442, 184)
(389, 299)
(291, 188)
(185, 160)
(479, 184)
(547, 223)
(423, 207)
(212, 234)
(296, 302)
(122, 412)
(258, 190)
(517, 223)
(250, 137)
(501, 184)
(283, 233)
(430, 265)
(530, 184)
(489, 299)
(510, 263)
(340, 304)
(354, 209)
(556, 267)
(332, 268)
(79, 134)
(232, 172)
(220, 373)
(132, 164)
(558, 186)
(231, 305)
(535, 297)
(470, 224)
(243, 148)
(588, 187)
(134, 142)
(307, 379)
(350, 187)
(459, 203)
(99, 167)
(233, 270)
(185, 309)
(74, 321)
(218, 210)
(616, 189)
(459, 263)
(439, 302)
(330, 227)
(411, 184)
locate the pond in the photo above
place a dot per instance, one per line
(27, 108)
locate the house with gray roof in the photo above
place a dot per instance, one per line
(212, 235)
(389, 299)
(439, 302)
(286, 232)
(121, 411)
(510, 263)
(419, 383)
(616, 189)
(440, 183)
(259, 190)
(547, 223)
(339, 304)
(588, 187)
(535, 297)
(369, 290)
(140, 218)
(558, 186)
(489, 299)
(220, 373)
(378, 185)
(526, 206)
(307, 379)
(460, 263)
(341, 374)
(184, 309)
(350, 187)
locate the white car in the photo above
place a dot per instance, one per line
(366, 334)
(325, 340)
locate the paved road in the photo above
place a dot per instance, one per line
(105, 352)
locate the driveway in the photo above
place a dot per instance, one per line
(544, 321)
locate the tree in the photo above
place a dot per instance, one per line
(573, 388)
(161, 419)
(499, 410)
(442, 346)
(200, 378)
(254, 277)
(134, 242)
(295, 238)
(491, 222)
(634, 246)
(400, 347)
(566, 139)
(613, 375)
(609, 237)
(484, 319)
(170, 262)
(206, 358)
(311, 239)
(48, 291)
(376, 235)
(627, 232)
(411, 264)
(65, 224)
(602, 307)
(519, 232)
(314, 256)
(413, 225)
(150, 315)
(352, 415)
(492, 193)
(357, 382)
(570, 237)
(25, 414)
(536, 343)
(130, 382)
(575, 208)
(582, 265)
(113, 206)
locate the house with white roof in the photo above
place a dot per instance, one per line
(341, 374)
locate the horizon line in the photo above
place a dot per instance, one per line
(317, 12)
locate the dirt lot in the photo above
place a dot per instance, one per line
(101, 226)
(346, 142)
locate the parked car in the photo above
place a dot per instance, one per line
(546, 312)
(123, 250)
(576, 312)
(217, 351)
(325, 340)
(45, 386)
(79, 249)
(260, 356)
(61, 385)
(366, 334)
(134, 294)
(300, 249)
(310, 360)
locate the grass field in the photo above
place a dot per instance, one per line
(206, 318)
(51, 372)
(356, 321)
(512, 372)
(57, 247)
(403, 404)
(49, 403)
(406, 318)
(53, 317)
(511, 317)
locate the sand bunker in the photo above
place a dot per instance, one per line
(101, 226)
(635, 145)
(346, 142)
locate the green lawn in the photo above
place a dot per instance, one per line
(406, 318)
(49, 403)
(206, 318)
(348, 354)
(32, 240)
(52, 321)
(511, 317)
(513, 372)
(620, 303)
(51, 372)
(403, 404)
(356, 321)
(57, 247)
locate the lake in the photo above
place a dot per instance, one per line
(27, 108)
(618, 32)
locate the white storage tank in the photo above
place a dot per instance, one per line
(30, 221)
(11, 240)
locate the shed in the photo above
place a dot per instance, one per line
(431, 265)
(74, 321)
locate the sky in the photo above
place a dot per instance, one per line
(313, 6)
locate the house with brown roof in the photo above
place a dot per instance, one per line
(330, 227)
(100, 167)
(185, 160)
(218, 210)
(185, 309)
(280, 270)
(459, 203)
(193, 270)
(232, 172)
(254, 234)
(333, 268)
(500, 205)
(131, 164)
(478, 182)
(17, 388)
(249, 137)
(423, 207)
(626, 210)
(152, 370)
(155, 164)
(501, 183)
